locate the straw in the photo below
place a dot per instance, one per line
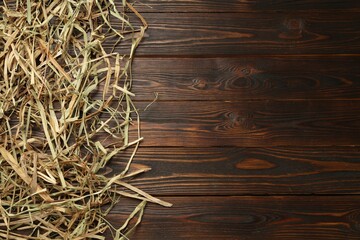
(66, 111)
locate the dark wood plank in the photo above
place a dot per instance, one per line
(219, 6)
(328, 218)
(216, 34)
(251, 123)
(245, 6)
(242, 171)
(248, 33)
(247, 78)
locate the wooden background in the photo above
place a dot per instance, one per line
(256, 133)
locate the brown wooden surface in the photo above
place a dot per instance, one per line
(246, 171)
(275, 217)
(222, 34)
(246, 6)
(247, 78)
(251, 123)
(256, 131)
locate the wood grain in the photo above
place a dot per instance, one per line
(245, 6)
(218, 34)
(257, 97)
(245, 171)
(251, 123)
(240, 6)
(247, 78)
(328, 218)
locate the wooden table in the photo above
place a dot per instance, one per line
(256, 132)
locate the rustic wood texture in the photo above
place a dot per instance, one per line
(251, 123)
(246, 6)
(219, 34)
(197, 218)
(247, 78)
(256, 97)
(246, 171)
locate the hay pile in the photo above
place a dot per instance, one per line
(65, 112)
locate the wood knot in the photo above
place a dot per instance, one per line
(294, 24)
(293, 29)
(230, 120)
(233, 117)
(246, 71)
(200, 84)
